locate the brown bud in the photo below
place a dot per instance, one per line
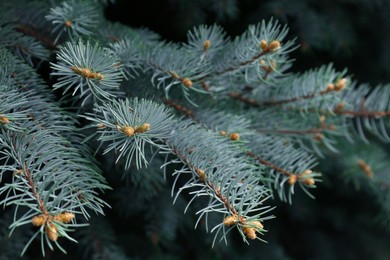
(128, 130)
(308, 181)
(234, 136)
(292, 179)
(365, 168)
(329, 87)
(249, 232)
(274, 46)
(206, 45)
(257, 224)
(187, 82)
(68, 23)
(306, 172)
(230, 220)
(143, 128)
(264, 45)
(201, 174)
(99, 76)
(322, 119)
(4, 120)
(39, 220)
(51, 232)
(341, 83)
(85, 72)
(222, 132)
(65, 217)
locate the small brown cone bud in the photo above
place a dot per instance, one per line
(39, 220)
(230, 220)
(128, 130)
(234, 136)
(365, 168)
(274, 46)
(329, 87)
(256, 224)
(222, 133)
(65, 217)
(206, 45)
(99, 76)
(68, 23)
(341, 83)
(309, 181)
(4, 120)
(85, 72)
(264, 45)
(51, 232)
(306, 172)
(187, 82)
(201, 174)
(292, 179)
(143, 128)
(249, 232)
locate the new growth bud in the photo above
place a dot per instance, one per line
(249, 232)
(206, 45)
(4, 120)
(127, 131)
(264, 45)
(234, 136)
(201, 174)
(274, 46)
(341, 83)
(143, 128)
(230, 220)
(187, 82)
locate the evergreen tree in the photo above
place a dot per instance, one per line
(104, 126)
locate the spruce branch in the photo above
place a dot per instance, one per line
(75, 17)
(173, 65)
(128, 125)
(89, 69)
(42, 190)
(232, 185)
(26, 47)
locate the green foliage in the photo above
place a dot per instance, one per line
(220, 123)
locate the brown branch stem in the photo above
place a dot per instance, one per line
(269, 164)
(34, 190)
